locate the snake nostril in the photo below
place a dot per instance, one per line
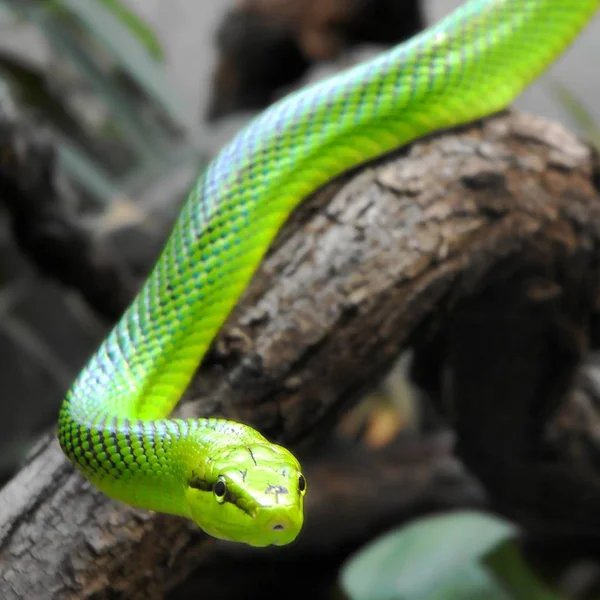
(278, 527)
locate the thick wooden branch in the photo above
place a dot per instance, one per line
(478, 249)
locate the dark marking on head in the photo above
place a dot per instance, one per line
(276, 489)
(252, 456)
(244, 473)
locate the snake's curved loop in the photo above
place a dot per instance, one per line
(225, 476)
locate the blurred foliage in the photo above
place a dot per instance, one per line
(90, 72)
(463, 555)
(576, 109)
(142, 31)
(119, 125)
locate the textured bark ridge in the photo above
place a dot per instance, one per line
(476, 248)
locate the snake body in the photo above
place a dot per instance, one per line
(225, 476)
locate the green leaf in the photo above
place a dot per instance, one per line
(137, 26)
(90, 175)
(7, 16)
(508, 565)
(442, 558)
(131, 56)
(138, 133)
(579, 113)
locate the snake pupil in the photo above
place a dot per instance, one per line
(219, 489)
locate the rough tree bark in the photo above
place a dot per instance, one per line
(479, 249)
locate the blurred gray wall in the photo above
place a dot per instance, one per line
(186, 29)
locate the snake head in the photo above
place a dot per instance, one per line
(249, 493)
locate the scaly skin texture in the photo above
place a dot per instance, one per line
(225, 476)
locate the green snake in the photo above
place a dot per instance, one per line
(232, 482)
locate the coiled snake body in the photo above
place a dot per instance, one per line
(225, 476)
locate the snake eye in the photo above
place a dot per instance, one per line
(219, 490)
(301, 483)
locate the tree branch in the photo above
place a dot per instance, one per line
(478, 248)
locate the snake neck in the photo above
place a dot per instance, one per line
(147, 464)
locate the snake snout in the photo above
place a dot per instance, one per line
(282, 529)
